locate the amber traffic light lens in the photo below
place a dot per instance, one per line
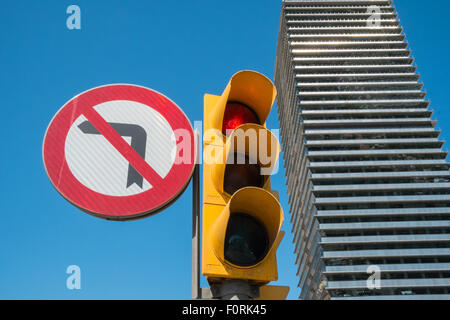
(246, 240)
(238, 176)
(237, 114)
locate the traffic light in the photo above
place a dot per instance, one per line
(242, 216)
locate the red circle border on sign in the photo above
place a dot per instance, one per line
(116, 207)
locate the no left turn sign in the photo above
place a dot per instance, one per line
(120, 151)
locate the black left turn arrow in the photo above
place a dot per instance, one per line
(138, 143)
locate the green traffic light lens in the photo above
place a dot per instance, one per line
(246, 240)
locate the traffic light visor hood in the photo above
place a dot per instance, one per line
(263, 211)
(249, 88)
(252, 150)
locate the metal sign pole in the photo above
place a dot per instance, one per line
(196, 291)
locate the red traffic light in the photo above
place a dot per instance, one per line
(237, 114)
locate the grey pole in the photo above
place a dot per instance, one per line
(196, 291)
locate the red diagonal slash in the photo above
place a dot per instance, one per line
(119, 143)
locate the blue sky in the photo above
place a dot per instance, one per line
(182, 49)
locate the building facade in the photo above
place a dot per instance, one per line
(367, 176)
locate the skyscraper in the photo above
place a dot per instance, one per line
(368, 180)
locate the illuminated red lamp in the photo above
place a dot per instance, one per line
(237, 114)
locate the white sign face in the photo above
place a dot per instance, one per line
(100, 167)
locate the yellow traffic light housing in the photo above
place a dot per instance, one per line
(242, 216)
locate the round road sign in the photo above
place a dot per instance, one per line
(120, 152)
